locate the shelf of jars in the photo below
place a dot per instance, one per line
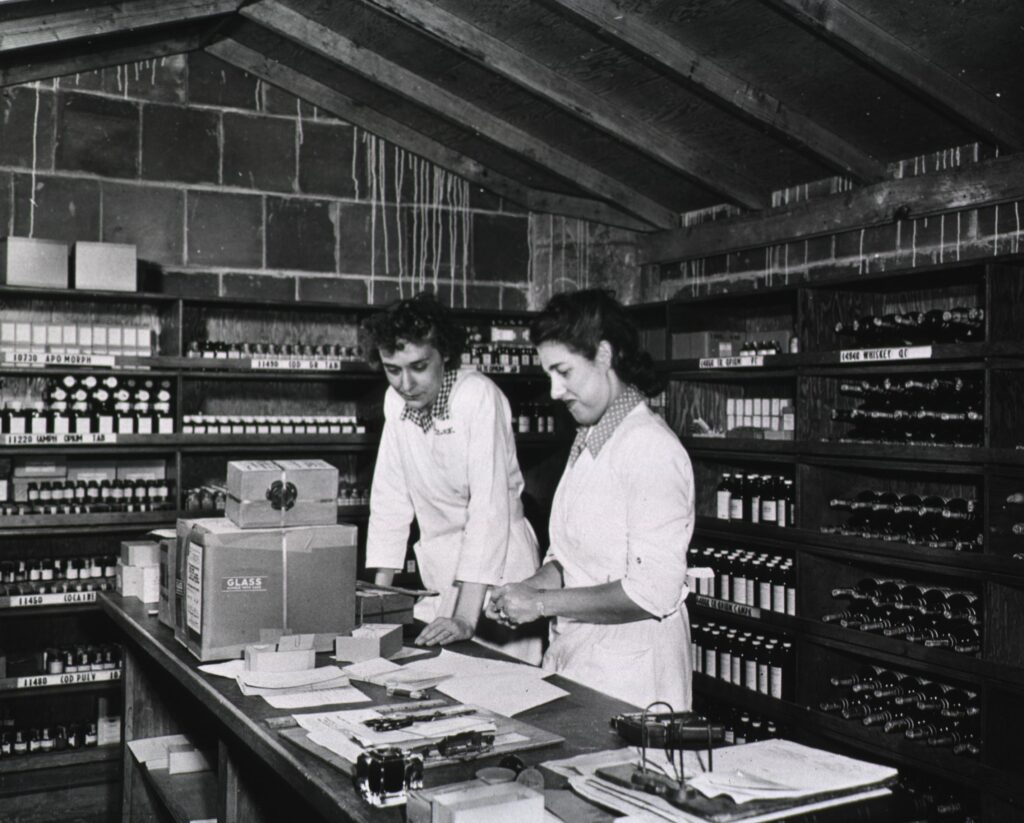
(11, 763)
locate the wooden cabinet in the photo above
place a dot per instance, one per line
(231, 396)
(977, 460)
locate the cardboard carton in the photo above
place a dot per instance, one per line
(26, 261)
(264, 493)
(369, 641)
(383, 607)
(168, 542)
(108, 266)
(238, 581)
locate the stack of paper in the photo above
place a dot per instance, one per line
(347, 735)
(294, 690)
(503, 687)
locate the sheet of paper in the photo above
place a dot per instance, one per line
(337, 743)
(229, 668)
(584, 765)
(458, 665)
(319, 697)
(506, 694)
(265, 683)
(370, 670)
(784, 769)
(409, 651)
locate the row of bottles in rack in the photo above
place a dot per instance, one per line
(928, 711)
(946, 410)
(94, 404)
(751, 497)
(24, 732)
(57, 575)
(939, 617)
(907, 517)
(746, 578)
(45, 667)
(759, 661)
(958, 324)
(50, 497)
(246, 349)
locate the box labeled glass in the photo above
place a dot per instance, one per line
(236, 582)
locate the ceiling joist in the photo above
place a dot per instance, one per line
(872, 45)
(969, 187)
(328, 43)
(340, 105)
(105, 19)
(721, 86)
(623, 121)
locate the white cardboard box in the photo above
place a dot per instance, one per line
(28, 261)
(107, 266)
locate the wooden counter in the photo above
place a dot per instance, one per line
(261, 776)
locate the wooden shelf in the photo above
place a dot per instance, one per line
(186, 797)
(72, 523)
(46, 608)
(76, 682)
(759, 450)
(50, 763)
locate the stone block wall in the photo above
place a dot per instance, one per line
(230, 187)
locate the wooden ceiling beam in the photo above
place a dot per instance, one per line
(333, 101)
(721, 86)
(90, 60)
(105, 19)
(880, 51)
(982, 184)
(328, 43)
(623, 121)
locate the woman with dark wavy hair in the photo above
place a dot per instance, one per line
(447, 457)
(621, 519)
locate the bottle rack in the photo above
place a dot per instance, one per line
(826, 464)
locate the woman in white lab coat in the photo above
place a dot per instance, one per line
(447, 458)
(621, 520)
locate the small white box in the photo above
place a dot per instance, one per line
(99, 339)
(27, 261)
(128, 340)
(369, 641)
(54, 338)
(145, 342)
(114, 340)
(69, 336)
(85, 337)
(38, 337)
(7, 335)
(142, 582)
(140, 552)
(266, 658)
(107, 266)
(23, 336)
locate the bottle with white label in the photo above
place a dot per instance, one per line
(723, 497)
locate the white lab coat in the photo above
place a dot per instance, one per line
(462, 483)
(627, 515)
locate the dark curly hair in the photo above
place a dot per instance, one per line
(581, 320)
(420, 319)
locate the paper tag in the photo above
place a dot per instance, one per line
(37, 358)
(194, 588)
(726, 606)
(68, 679)
(294, 364)
(19, 601)
(67, 439)
(742, 361)
(882, 355)
(496, 368)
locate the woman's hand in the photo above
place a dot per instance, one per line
(516, 603)
(445, 630)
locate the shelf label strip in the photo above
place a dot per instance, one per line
(36, 358)
(24, 601)
(884, 355)
(294, 364)
(67, 679)
(56, 439)
(739, 362)
(727, 606)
